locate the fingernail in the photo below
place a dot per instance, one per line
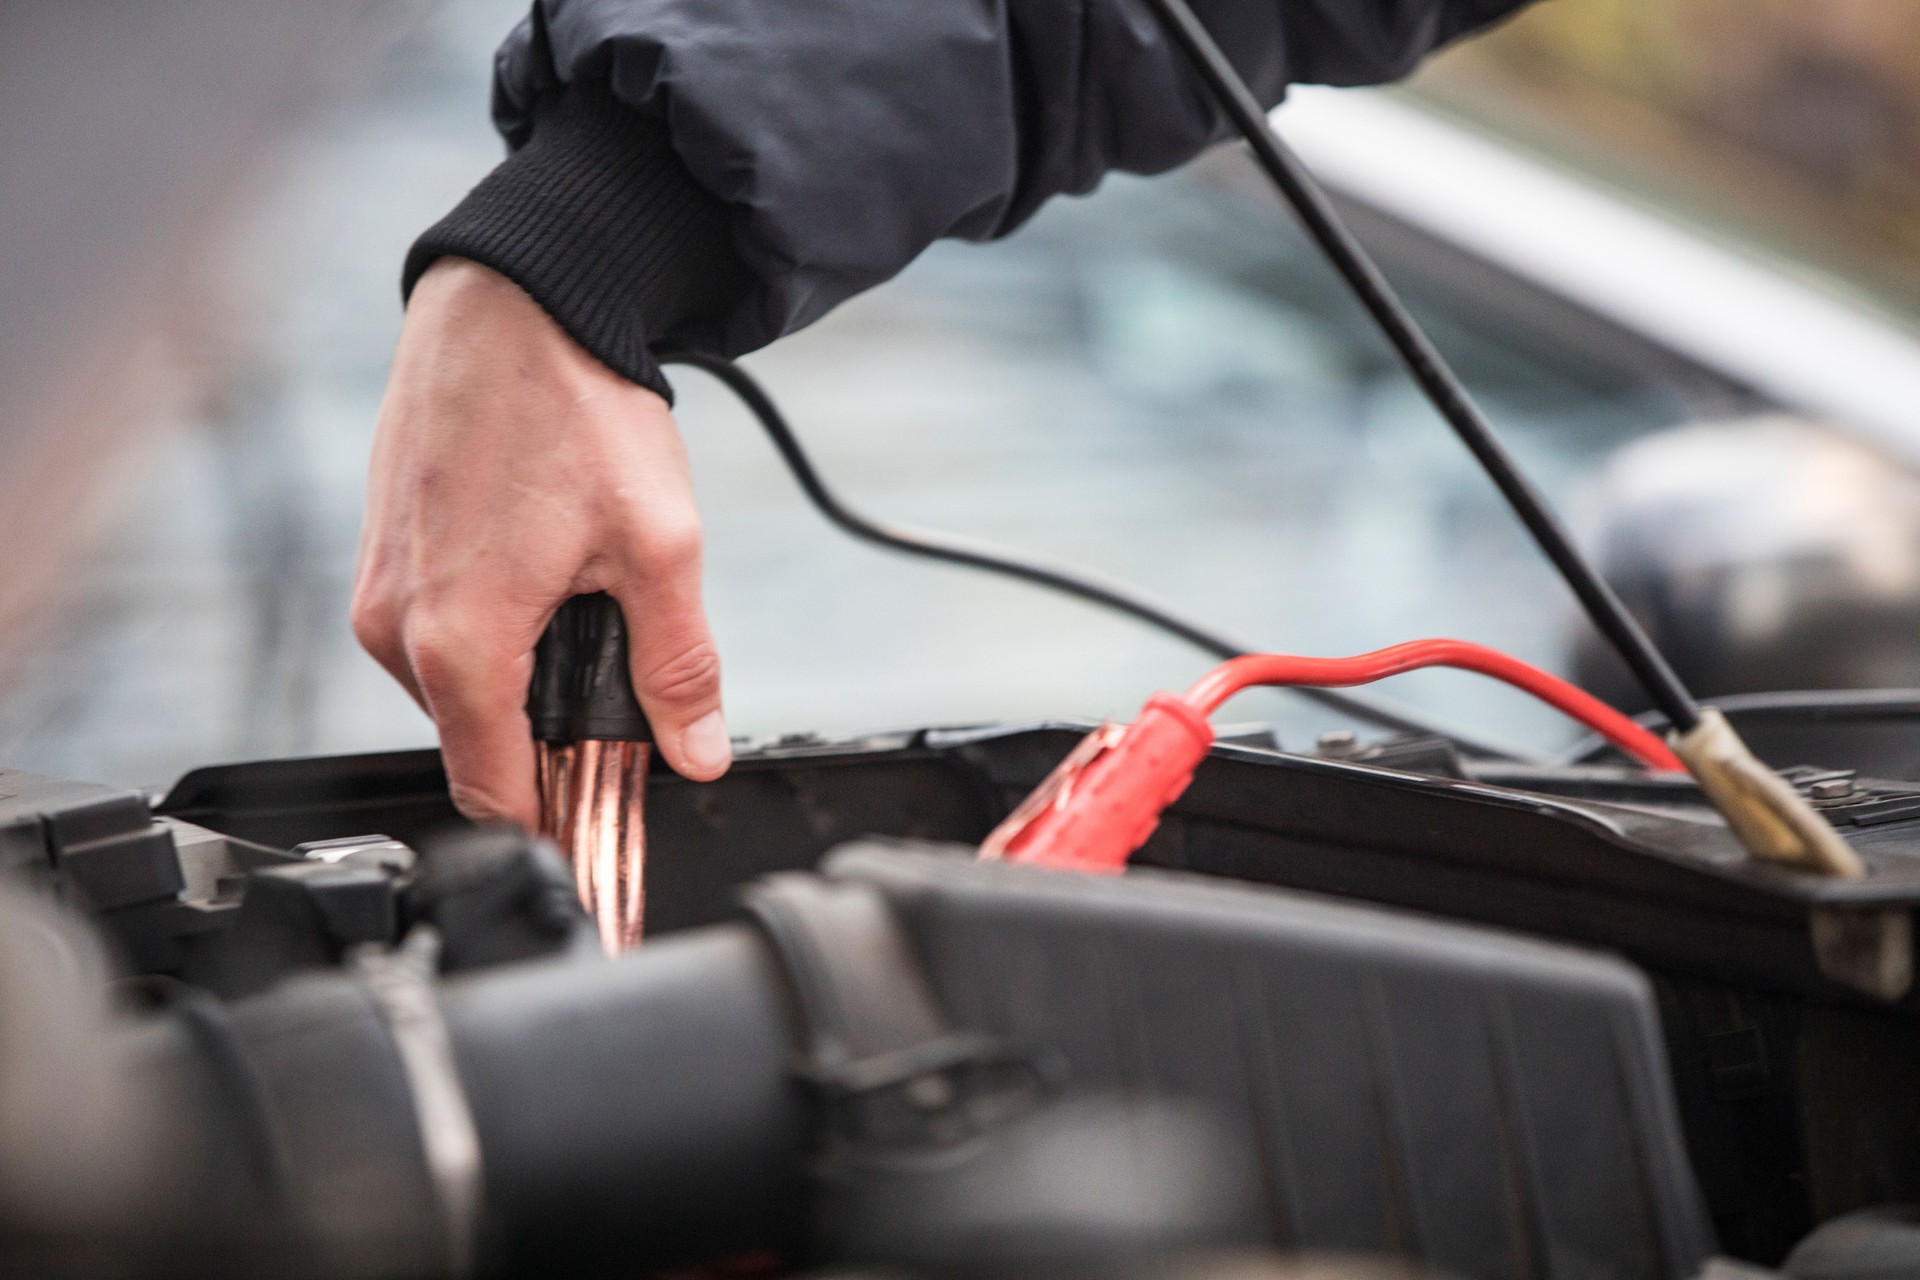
(476, 806)
(706, 746)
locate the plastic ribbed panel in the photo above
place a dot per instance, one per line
(1495, 1106)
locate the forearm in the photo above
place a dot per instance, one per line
(715, 173)
(845, 136)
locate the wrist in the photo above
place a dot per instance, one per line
(466, 322)
(600, 223)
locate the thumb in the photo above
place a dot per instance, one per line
(676, 672)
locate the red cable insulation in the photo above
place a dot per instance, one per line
(1237, 674)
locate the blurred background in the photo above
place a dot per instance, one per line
(1792, 124)
(1673, 245)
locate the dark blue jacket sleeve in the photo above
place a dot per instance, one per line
(836, 139)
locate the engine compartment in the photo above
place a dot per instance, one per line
(1785, 1000)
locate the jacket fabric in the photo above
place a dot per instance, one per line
(717, 173)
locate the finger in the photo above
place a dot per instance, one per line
(676, 668)
(475, 688)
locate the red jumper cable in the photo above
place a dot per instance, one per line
(1104, 800)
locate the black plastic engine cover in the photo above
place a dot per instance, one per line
(1490, 1105)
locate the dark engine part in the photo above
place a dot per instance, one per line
(997, 1067)
(1792, 1041)
(640, 1106)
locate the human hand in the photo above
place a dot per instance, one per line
(510, 471)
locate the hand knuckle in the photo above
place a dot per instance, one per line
(671, 545)
(373, 619)
(692, 676)
(433, 644)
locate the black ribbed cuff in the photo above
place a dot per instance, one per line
(597, 218)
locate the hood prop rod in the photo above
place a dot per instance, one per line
(1768, 816)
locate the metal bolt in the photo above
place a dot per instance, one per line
(379, 852)
(1337, 742)
(1831, 789)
